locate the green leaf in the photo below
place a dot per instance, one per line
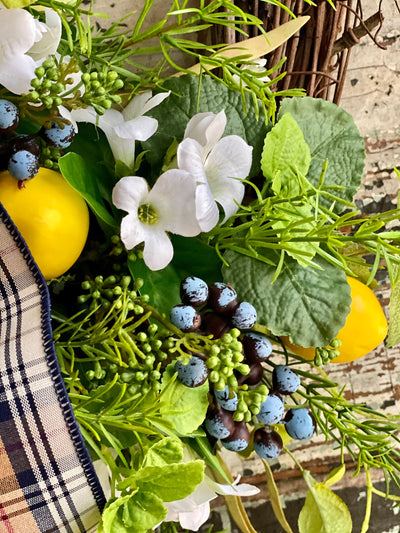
(185, 407)
(335, 475)
(292, 218)
(284, 157)
(161, 285)
(164, 452)
(80, 176)
(308, 304)
(394, 312)
(141, 512)
(324, 512)
(331, 135)
(171, 482)
(195, 258)
(192, 94)
(111, 519)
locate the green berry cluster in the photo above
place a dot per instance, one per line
(49, 156)
(324, 355)
(226, 357)
(48, 85)
(112, 290)
(249, 402)
(100, 89)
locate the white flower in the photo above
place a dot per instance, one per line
(214, 163)
(123, 129)
(194, 510)
(24, 44)
(258, 67)
(169, 206)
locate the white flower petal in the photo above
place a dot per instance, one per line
(173, 196)
(158, 250)
(189, 157)
(133, 232)
(242, 489)
(110, 120)
(135, 107)
(16, 73)
(122, 149)
(195, 519)
(129, 193)
(51, 35)
(17, 32)
(231, 157)
(154, 101)
(228, 193)
(206, 129)
(85, 114)
(207, 211)
(140, 128)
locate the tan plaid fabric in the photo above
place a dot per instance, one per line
(47, 480)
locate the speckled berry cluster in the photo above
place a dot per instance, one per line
(21, 154)
(234, 369)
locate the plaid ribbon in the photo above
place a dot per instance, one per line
(47, 480)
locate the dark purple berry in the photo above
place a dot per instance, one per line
(185, 317)
(272, 409)
(9, 116)
(254, 376)
(25, 142)
(227, 399)
(214, 324)
(60, 134)
(256, 347)
(193, 374)
(222, 298)
(285, 380)
(23, 165)
(219, 423)
(239, 439)
(194, 291)
(244, 316)
(267, 444)
(300, 423)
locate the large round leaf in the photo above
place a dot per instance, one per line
(308, 304)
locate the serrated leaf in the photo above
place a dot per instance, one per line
(324, 512)
(285, 155)
(142, 512)
(308, 304)
(164, 452)
(185, 407)
(332, 135)
(190, 96)
(394, 312)
(275, 499)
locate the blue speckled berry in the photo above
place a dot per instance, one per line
(244, 316)
(224, 399)
(59, 135)
(219, 423)
(223, 298)
(185, 317)
(239, 439)
(272, 410)
(256, 347)
(23, 165)
(193, 374)
(299, 423)
(267, 444)
(9, 116)
(285, 380)
(194, 291)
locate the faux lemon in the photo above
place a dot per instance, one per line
(50, 215)
(365, 328)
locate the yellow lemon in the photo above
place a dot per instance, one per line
(50, 215)
(365, 328)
